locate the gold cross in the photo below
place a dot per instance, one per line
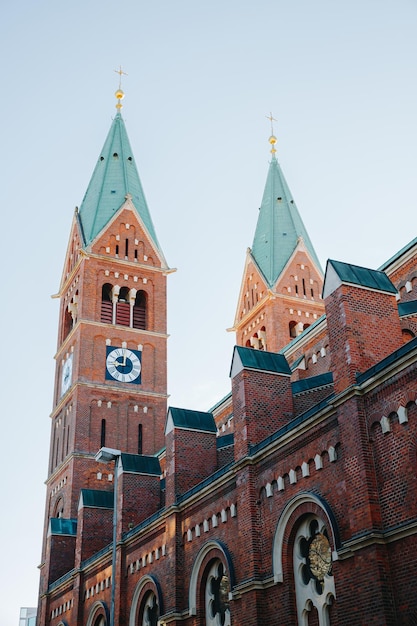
(121, 73)
(271, 119)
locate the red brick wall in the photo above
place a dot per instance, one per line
(262, 402)
(191, 456)
(363, 328)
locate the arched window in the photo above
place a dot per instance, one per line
(293, 329)
(149, 610)
(106, 304)
(67, 325)
(59, 508)
(217, 595)
(314, 582)
(407, 335)
(123, 308)
(139, 311)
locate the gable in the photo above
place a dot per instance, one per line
(253, 289)
(126, 237)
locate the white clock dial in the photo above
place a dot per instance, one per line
(66, 375)
(123, 365)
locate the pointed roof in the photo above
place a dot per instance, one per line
(114, 177)
(279, 227)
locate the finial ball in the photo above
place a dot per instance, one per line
(272, 140)
(119, 94)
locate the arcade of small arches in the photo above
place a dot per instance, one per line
(258, 340)
(306, 528)
(124, 306)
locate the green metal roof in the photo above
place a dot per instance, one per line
(361, 276)
(192, 420)
(140, 464)
(114, 176)
(306, 384)
(261, 360)
(97, 499)
(407, 308)
(61, 526)
(279, 227)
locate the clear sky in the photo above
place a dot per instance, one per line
(339, 77)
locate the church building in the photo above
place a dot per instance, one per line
(292, 501)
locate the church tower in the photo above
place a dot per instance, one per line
(280, 293)
(111, 370)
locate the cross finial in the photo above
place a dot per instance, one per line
(272, 139)
(121, 73)
(271, 119)
(120, 93)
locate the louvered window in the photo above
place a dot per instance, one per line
(123, 313)
(123, 308)
(139, 311)
(106, 304)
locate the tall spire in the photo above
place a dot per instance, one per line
(115, 178)
(279, 227)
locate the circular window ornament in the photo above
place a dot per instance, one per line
(320, 556)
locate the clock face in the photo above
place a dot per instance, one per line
(123, 365)
(66, 375)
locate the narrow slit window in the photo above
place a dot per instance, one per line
(103, 433)
(140, 439)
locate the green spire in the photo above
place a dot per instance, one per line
(114, 177)
(279, 226)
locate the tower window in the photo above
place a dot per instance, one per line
(106, 304)
(117, 249)
(115, 155)
(126, 247)
(140, 439)
(123, 308)
(103, 433)
(139, 311)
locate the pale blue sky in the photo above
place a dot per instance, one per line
(340, 78)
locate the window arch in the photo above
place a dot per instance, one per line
(313, 575)
(146, 604)
(98, 615)
(293, 329)
(207, 585)
(217, 588)
(106, 304)
(123, 307)
(67, 325)
(59, 508)
(149, 611)
(139, 310)
(407, 334)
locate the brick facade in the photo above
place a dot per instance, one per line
(295, 495)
